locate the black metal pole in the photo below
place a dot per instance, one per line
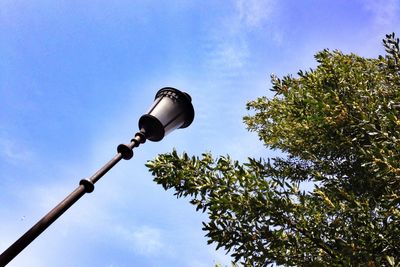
(85, 186)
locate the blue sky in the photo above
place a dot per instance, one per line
(75, 76)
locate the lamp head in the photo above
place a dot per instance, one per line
(171, 109)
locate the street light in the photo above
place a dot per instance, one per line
(172, 109)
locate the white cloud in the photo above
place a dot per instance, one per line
(229, 62)
(385, 12)
(144, 240)
(147, 240)
(12, 152)
(227, 49)
(254, 13)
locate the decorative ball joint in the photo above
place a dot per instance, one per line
(172, 109)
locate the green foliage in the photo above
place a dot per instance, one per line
(339, 126)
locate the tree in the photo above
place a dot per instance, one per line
(338, 126)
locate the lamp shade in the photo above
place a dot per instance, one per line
(171, 109)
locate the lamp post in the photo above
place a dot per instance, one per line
(171, 109)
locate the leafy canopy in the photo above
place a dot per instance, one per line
(339, 128)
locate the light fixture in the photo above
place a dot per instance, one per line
(171, 109)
